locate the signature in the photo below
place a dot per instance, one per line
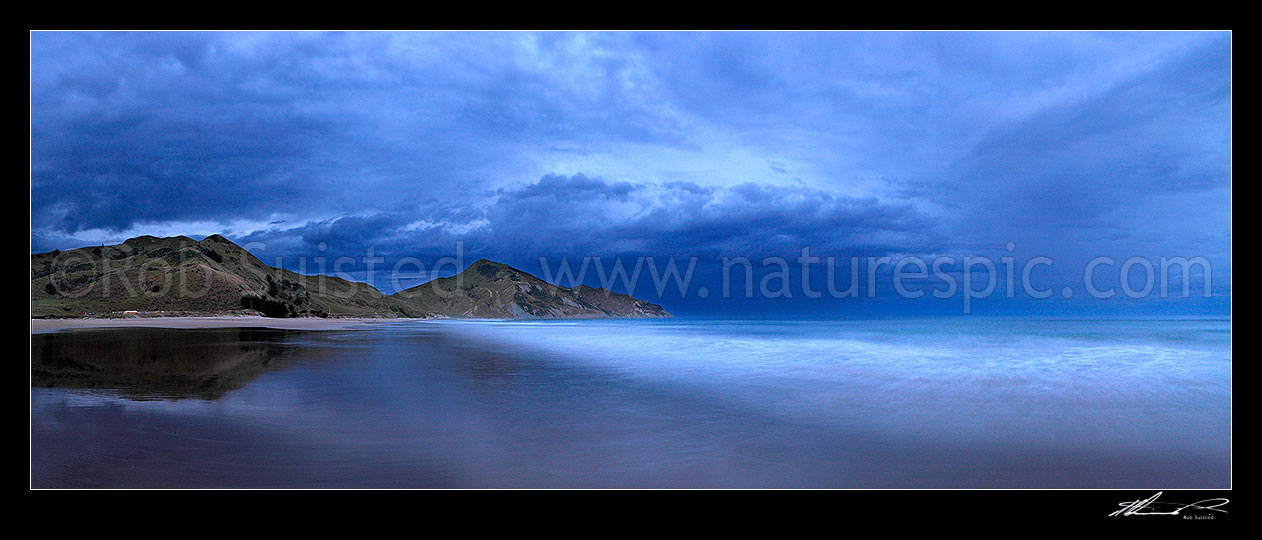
(1152, 507)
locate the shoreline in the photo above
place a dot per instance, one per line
(46, 326)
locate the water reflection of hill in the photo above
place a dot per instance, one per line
(157, 363)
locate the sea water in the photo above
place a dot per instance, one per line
(960, 402)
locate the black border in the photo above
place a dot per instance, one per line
(841, 512)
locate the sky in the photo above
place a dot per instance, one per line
(515, 146)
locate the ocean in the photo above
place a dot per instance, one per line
(952, 402)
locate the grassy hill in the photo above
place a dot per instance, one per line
(487, 289)
(179, 275)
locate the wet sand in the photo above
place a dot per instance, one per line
(43, 326)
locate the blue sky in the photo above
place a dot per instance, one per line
(1070, 145)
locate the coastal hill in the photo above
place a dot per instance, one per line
(182, 275)
(487, 289)
(179, 275)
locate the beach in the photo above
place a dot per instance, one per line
(665, 403)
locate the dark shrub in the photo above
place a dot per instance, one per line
(269, 308)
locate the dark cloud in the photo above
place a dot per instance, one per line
(132, 128)
(578, 186)
(581, 216)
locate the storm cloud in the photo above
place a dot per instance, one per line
(521, 145)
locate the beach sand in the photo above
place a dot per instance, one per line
(43, 326)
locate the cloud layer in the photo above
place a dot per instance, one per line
(545, 144)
